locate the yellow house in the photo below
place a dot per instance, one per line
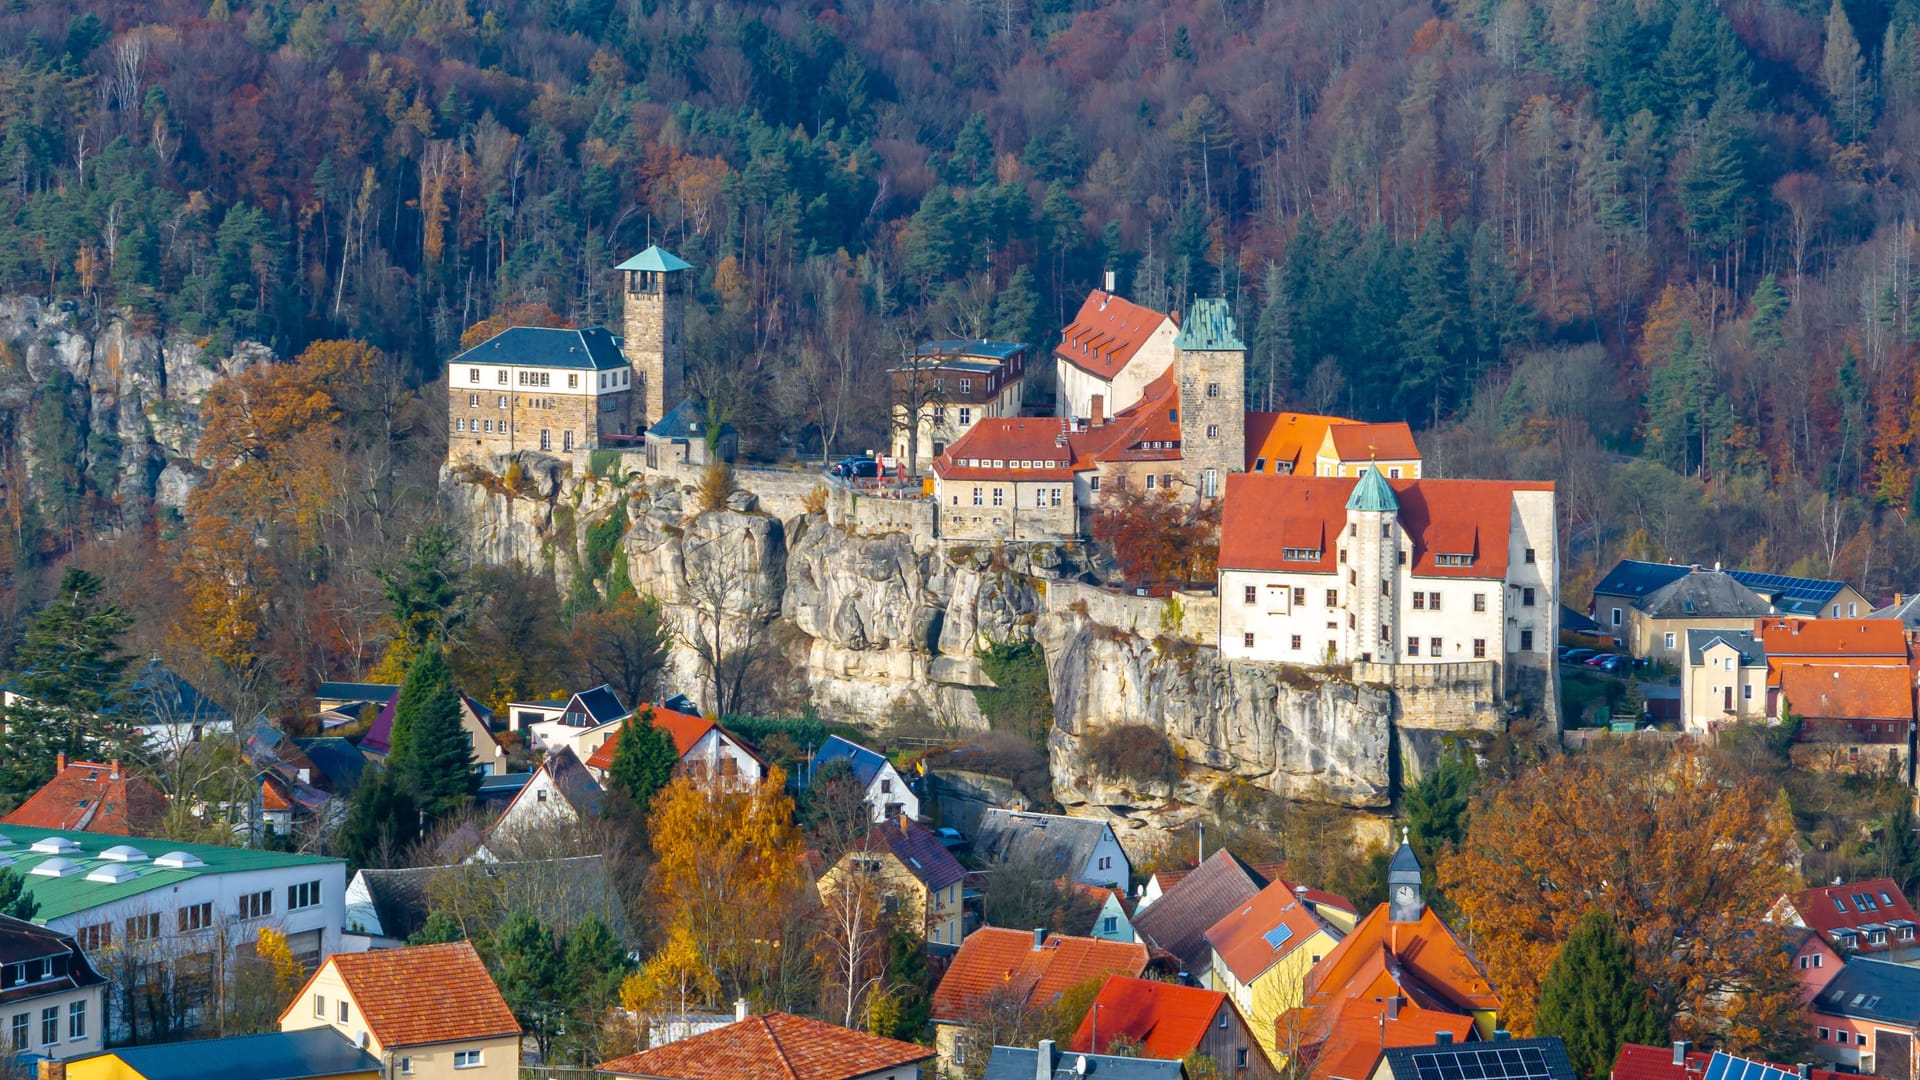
(430, 1011)
(1262, 951)
(918, 879)
(1348, 448)
(1724, 679)
(315, 1054)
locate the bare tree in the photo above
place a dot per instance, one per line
(731, 601)
(919, 399)
(854, 929)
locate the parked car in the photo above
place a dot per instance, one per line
(1609, 663)
(857, 468)
(1596, 661)
(1578, 656)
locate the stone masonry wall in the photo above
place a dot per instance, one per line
(1223, 414)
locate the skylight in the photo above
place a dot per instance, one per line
(55, 845)
(56, 868)
(178, 860)
(124, 853)
(1277, 935)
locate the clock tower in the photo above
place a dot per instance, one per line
(1403, 884)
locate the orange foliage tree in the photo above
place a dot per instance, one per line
(1159, 538)
(1685, 860)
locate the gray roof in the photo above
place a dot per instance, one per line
(1869, 989)
(559, 892)
(1633, 579)
(573, 780)
(993, 350)
(687, 420)
(1177, 922)
(1062, 844)
(1513, 1059)
(865, 763)
(1704, 594)
(1752, 652)
(357, 691)
(1576, 622)
(1404, 859)
(592, 349)
(277, 1055)
(1904, 608)
(1018, 1063)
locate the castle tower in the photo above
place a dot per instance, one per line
(1211, 368)
(1373, 557)
(655, 308)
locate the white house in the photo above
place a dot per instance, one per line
(887, 793)
(1328, 570)
(581, 722)
(1110, 351)
(1080, 849)
(559, 792)
(52, 1001)
(706, 749)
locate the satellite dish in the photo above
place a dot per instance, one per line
(1080, 1065)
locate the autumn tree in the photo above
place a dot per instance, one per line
(426, 593)
(1160, 538)
(854, 930)
(625, 644)
(1592, 1001)
(69, 683)
(672, 983)
(1683, 861)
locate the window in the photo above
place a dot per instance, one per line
(1240, 1058)
(966, 385)
(502, 380)
(467, 1059)
(1453, 560)
(1526, 597)
(1433, 647)
(1093, 484)
(319, 1006)
(1479, 601)
(1433, 601)
(1526, 641)
(1039, 497)
(1860, 1038)
(473, 374)
(1353, 529)
(1413, 646)
(1669, 641)
(1746, 692)
(345, 1011)
(1479, 648)
(1249, 640)
(1213, 389)
(460, 425)
(1213, 431)
(1529, 558)
(540, 795)
(1299, 597)
(1333, 597)
(546, 439)
(1852, 610)
(1300, 554)
(1343, 556)
(1836, 611)
(503, 401)
(96, 937)
(1106, 862)
(566, 439)
(1386, 634)
(573, 382)
(976, 497)
(49, 1025)
(1386, 531)
(489, 424)
(1394, 472)
(256, 905)
(966, 417)
(1296, 643)
(1419, 601)
(143, 928)
(1386, 588)
(1817, 957)
(406, 1066)
(1825, 1035)
(999, 497)
(19, 1035)
(1110, 924)
(77, 1020)
(304, 895)
(1252, 594)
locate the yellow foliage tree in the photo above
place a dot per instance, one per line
(288, 976)
(676, 978)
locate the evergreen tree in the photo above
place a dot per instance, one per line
(15, 900)
(593, 965)
(439, 929)
(1270, 356)
(70, 678)
(382, 822)
(972, 159)
(1591, 999)
(430, 750)
(527, 967)
(1016, 309)
(1844, 74)
(1435, 806)
(1714, 189)
(906, 984)
(426, 592)
(643, 759)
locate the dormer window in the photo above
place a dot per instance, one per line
(1453, 560)
(1300, 554)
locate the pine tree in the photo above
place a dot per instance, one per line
(643, 759)
(1844, 74)
(1270, 361)
(527, 967)
(1591, 999)
(1016, 309)
(1436, 806)
(972, 160)
(382, 822)
(425, 592)
(430, 750)
(70, 681)
(15, 900)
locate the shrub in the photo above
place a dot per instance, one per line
(716, 483)
(1020, 699)
(603, 463)
(1136, 752)
(815, 500)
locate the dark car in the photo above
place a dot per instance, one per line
(1610, 664)
(856, 467)
(1578, 656)
(1597, 661)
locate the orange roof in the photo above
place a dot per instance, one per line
(1285, 436)
(1032, 448)
(1266, 514)
(1166, 1019)
(1257, 934)
(1423, 952)
(1106, 333)
(1363, 442)
(777, 1046)
(1848, 692)
(994, 958)
(273, 794)
(687, 731)
(1358, 1038)
(421, 995)
(88, 796)
(1833, 639)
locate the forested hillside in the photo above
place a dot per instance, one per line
(1658, 250)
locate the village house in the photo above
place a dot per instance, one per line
(1864, 918)
(1262, 951)
(1077, 849)
(429, 1011)
(1805, 598)
(954, 385)
(775, 1046)
(94, 797)
(1110, 351)
(51, 999)
(887, 793)
(316, 1054)
(1177, 908)
(166, 712)
(1849, 683)
(1626, 584)
(997, 967)
(1682, 1062)
(1048, 1063)
(1905, 610)
(1866, 1019)
(489, 757)
(1306, 444)
(1517, 1059)
(386, 907)
(686, 440)
(1168, 1021)
(1112, 912)
(1723, 681)
(1326, 570)
(706, 749)
(560, 792)
(922, 885)
(580, 721)
(1632, 581)
(1657, 623)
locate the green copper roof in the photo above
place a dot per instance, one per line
(1372, 495)
(657, 259)
(1209, 326)
(61, 896)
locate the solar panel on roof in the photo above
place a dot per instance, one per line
(1727, 1067)
(1483, 1063)
(1275, 936)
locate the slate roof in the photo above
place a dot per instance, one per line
(776, 1046)
(158, 693)
(656, 259)
(356, 691)
(339, 763)
(592, 349)
(687, 420)
(955, 347)
(572, 780)
(1875, 990)
(1632, 578)
(1106, 333)
(1166, 1019)
(1703, 594)
(1752, 653)
(1905, 609)
(1577, 622)
(920, 850)
(1020, 1063)
(1516, 1059)
(866, 763)
(1789, 595)
(1178, 921)
(1253, 937)
(600, 703)
(559, 892)
(95, 797)
(276, 1055)
(1063, 844)
(71, 893)
(421, 995)
(21, 940)
(1209, 326)
(994, 958)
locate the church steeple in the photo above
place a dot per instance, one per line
(1403, 884)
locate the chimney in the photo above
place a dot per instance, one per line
(113, 769)
(1039, 937)
(53, 1070)
(1393, 1007)
(60, 761)
(903, 823)
(1110, 281)
(1444, 1038)
(1043, 1061)
(740, 1011)
(1681, 1048)
(1099, 411)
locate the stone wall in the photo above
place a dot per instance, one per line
(1188, 616)
(1443, 697)
(859, 512)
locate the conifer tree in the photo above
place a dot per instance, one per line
(430, 750)
(643, 759)
(1844, 75)
(382, 822)
(70, 681)
(1591, 999)
(15, 900)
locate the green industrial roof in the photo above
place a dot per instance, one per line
(1372, 495)
(657, 259)
(62, 896)
(1209, 327)
(592, 349)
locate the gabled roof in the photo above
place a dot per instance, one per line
(1361, 1033)
(1703, 594)
(1577, 622)
(1177, 923)
(1106, 333)
(1632, 578)
(1790, 595)
(356, 691)
(1637, 1062)
(1209, 327)
(1165, 1019)
(1848, 691)
(1022, 1063)
(994, 959)
(572, 780)
(166, 698)
(338, 763)
(1905, 610)
(687, 731)
(866, 764)
(687, 420)
(1060, 844)
(1752, 652)
(1292, 438)
(1385, 442)
(1834, 639)
(592, 349)
(21, 940)
(1874, 990)
(1256, 935)
(657, 259)
(88, 796)
(919, 849)
(1516, 1059)
(1850, 906)
(1425, 957)
(997, 351)
(421, 995)
(275, 1055)
(1265, 515)
(776, 1046)
(599, 703)
(1027, 448)
(559, 892)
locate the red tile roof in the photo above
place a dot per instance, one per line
(687, 731)
(88, 796)
(1638, 1062)
(1846, 907)
(1246, 940)
(1167, 1020)
(1424, 957)
(1358, 1038)
(1833, 639)
(422, 995)
(1287, 437)
(1848, 692)
(1265, 514)
(1106, 333)
(993, 958)
(1030, 448)
(1361, 442)
(777, 1046)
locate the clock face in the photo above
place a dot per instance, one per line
(1404, 894)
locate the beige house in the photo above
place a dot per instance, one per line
(430, 1011)
(1724, 679)
(954, 385)
(1657, 623)
(917, 878)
